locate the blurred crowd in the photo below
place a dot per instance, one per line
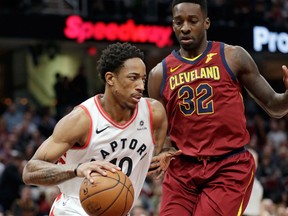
(271, 13)
(222, 12)
(23, 127)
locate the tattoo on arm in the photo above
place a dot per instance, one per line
(46, 174)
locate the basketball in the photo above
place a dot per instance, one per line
(108, 195)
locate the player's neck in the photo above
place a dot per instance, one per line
(193, 53)
(114, 110)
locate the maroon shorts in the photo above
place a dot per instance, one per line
(208, 187)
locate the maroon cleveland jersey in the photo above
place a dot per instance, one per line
(204, 103)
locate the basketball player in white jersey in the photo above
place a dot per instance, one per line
(116, 130)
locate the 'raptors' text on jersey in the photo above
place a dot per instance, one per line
(129, 145)
(201, 98)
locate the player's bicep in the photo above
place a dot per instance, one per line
(50, 150)
(71, 129)
(250, 77)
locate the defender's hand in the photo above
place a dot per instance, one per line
(160, 162)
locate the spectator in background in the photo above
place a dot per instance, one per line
(268, 207)
(79, 87)
(281, 211)
(270, 175)
(11, 180)
(47, 122)
(58, 93)
(254, 205)
(44, 205)
(25, 130)
(146, 195)
(139, 210)
(51, 194)
(275, 15)
(277, 134)
(285, 13)
(3, 131)
(12, 116)
(25, 205)
(62, 94)
(46, 197)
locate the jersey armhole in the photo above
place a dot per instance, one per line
(151, 119)
(164, 76)
(222, 53)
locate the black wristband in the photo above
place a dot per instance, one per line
(75, 170)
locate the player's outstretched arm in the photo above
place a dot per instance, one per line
(246, 71)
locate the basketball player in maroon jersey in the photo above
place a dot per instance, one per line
(200, 86)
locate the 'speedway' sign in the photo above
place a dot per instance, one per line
(81, 31)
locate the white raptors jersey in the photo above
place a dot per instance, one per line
(129, 146)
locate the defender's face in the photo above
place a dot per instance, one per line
(189, 25)
(129, 83)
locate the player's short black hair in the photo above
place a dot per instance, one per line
(114, 56)
(202, 3)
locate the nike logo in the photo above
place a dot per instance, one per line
(99, 131)
(175, 68)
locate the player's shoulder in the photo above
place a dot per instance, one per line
(157, 108)
(155, 104)
(237, 58)
(75, 125)
(235, 53)
(77, 114)
(233, 48)
(157, 68)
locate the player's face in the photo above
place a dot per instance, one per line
(190, 25)
(129, 83)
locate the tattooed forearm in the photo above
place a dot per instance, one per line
(44, 173)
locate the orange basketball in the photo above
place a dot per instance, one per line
(108, 195)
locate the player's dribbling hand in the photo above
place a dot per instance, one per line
(160, 162)
(101, 167)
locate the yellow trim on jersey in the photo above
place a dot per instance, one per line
(192, 59)
(241, 206)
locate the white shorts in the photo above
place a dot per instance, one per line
(67, 206)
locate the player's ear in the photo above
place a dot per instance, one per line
(109, 78)
(207, 23)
